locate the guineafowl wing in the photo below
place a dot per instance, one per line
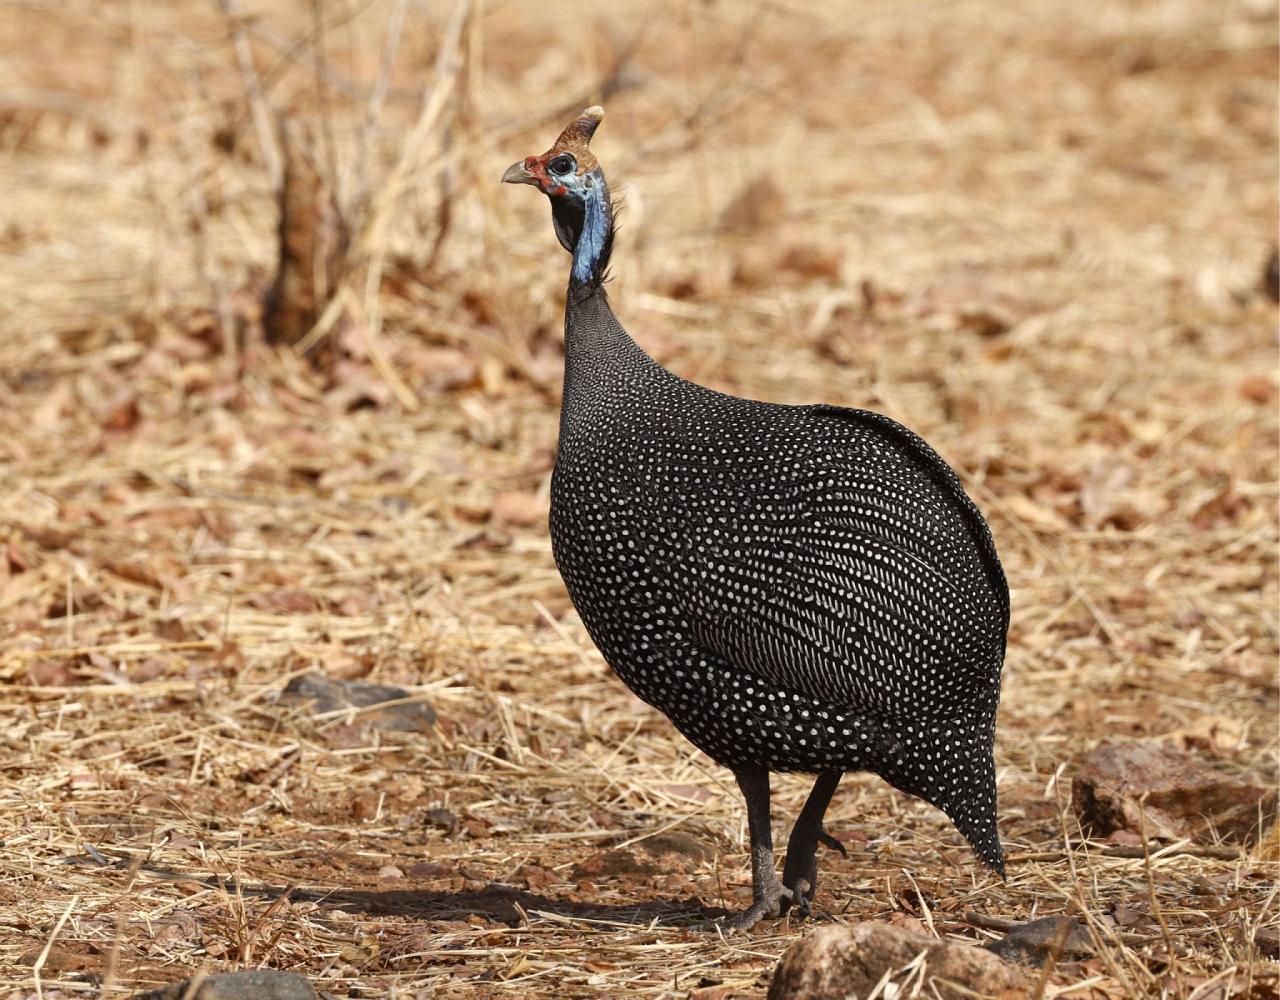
(857, 576)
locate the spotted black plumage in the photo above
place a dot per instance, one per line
(798, 588)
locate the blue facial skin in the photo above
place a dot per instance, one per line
(595, 228)
(582, 215)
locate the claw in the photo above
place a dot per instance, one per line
(826, 840)
(766, 906)
(801, 897)
(745, 920)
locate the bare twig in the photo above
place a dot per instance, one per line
(263, 117)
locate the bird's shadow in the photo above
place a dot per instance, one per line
(496, 902)
(505, 904)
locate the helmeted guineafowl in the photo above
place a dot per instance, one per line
(798, 588)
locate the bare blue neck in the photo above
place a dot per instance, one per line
(591, 252)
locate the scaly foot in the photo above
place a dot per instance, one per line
(800, 873)
(772, 903)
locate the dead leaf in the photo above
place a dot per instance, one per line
(51, 673)
(762, 202)
(811, 260)
(49, 413)
(285, 601)
(1035, 515)
(515, 507)
(1258, 389)
(985, 320)
(536, 877)
(694, 793)
(120, 412)
(60, 959)
(1224, 507)
(429, 869)
(437, 369)
(1268, 846)
(1102, 486)
(1220, 735)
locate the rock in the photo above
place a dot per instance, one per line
(614, 863)
(248, 984)
(1034, 942)
(841, 961)
(1267, 941)
(686, 845)
(60, 959)
(671, 851)
(442, 819)
(1122, 786)
(328, 694)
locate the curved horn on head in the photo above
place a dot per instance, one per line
(578, 132)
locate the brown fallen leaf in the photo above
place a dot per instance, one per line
(61, 959)
(761, 202)
(428, 869)
(1220, 735)
(1268, 846)
(48, 414)
(1260, 389)
(285, 601)
(517, 507)
(52, 673)
(1100, 491)
(536, 877)
(694, 793)
(1035, 515)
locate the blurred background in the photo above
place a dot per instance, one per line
(280, 364)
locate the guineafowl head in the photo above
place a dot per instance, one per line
(581, 211)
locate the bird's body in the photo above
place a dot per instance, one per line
(798, 588)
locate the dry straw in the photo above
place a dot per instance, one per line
(1032, 231)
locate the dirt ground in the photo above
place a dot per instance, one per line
(1033, 231)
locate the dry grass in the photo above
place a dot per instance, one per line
(1033, 231)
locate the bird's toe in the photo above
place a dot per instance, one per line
(826, 840)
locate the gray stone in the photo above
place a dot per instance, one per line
(328, 694)
(1033, 943)
(678, 842)
(248, 984)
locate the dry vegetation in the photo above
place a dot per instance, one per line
(1034, 231)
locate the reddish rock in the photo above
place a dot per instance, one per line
(1267, 941)
(841, 961)
(1122, 786)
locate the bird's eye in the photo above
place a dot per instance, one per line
(561, 164)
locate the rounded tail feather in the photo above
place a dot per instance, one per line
(949, 764)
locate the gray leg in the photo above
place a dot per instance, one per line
(800, 874)
(767, 895)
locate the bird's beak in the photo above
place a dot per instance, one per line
(518, 173)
